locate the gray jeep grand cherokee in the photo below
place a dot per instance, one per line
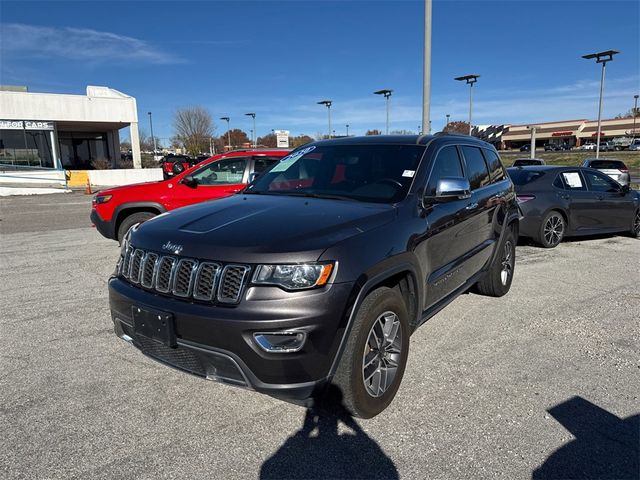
(319, 271)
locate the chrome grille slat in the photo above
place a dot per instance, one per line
(135, 267)
(206, 279)
(184, 278)
(149, 267)
(233, 280)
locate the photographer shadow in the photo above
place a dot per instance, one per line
(319, 450)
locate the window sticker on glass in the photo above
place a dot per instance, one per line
(572, 179)
(287, 161)
(409, 173)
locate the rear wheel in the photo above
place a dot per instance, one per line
(635, 227)
(552, 230)
(497, 280)
(130, 221)
(375, 355)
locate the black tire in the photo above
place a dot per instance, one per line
(131, 220)
(635, 225)
(552, 230)
(350, 376)
(498, 278)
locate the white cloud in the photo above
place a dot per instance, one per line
(79, 44)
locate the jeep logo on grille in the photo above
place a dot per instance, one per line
(172, 247)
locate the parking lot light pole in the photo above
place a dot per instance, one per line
(470, 79)
(254, 136)
(635, 114)
(426, 69)
(153, 139)
(603, 58)
(327, 103)
(448, 115)
(532, 148)
(387, 95)
(347, 129)
(227, 119)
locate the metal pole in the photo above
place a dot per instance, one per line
(533, 142)
(153, 139)
(448, 118)
(600, 110)
(255, 133)
(387, 97)
(470, 105)
(635, 114)
(228, 135)
(329, 110)
(347, 129)
(426, 80)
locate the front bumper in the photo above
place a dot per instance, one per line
(105, 227)
(216, 342)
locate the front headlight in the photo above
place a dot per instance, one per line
(99, 199)
(294, 277)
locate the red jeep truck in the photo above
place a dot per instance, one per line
(115, 210)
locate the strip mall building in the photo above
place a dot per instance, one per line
(567, 132)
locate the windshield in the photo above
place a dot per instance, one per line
(367, 173)
(524, 163)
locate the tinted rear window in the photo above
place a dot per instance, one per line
(608, 164)
(521, 176)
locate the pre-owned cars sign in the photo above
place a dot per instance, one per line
(282, 138)
(25, 125)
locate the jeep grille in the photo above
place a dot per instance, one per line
(185, 278)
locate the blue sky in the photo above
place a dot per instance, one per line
(278, 58)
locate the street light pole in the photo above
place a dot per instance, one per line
(327, 103)
(603, 58)
(470, 79)
(532, 147)
(254, 136)
(448, 115)
(387, 94)
(227, 119)
(152, 137)
(635, 114)
(347, 129)
(426, 74)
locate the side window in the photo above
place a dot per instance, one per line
(262, 163)
(558, 183)
(477, 172)
(600, 183)
(495, 165)
(228, 171)
(573, 181)
(446, 164)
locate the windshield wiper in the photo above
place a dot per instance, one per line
(316, 195)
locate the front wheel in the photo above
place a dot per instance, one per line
(131, 220)
(375, 355)
(498, 278)
(552, 230)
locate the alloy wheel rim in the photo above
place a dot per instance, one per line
(554, 230)
(636, 224)
(507, 263)
(382, 354)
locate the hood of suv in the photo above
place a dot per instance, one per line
(260, 228)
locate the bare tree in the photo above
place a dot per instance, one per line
(194, 127)
(457, 127)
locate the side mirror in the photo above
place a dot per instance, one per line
(189, 181)
(452, 188)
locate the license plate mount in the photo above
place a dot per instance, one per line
(154, 324)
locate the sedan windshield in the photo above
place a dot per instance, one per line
(607, 164)
(366, 173)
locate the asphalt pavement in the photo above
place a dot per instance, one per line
(543, 382)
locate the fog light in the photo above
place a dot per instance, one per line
(280, 342)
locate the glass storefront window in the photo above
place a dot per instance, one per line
(79, 149)
(27, 148)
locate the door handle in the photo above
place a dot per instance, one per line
(600, 197)
(471, 206)
(565, 197)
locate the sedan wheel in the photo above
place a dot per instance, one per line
(552, 231)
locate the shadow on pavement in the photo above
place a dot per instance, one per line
(318, 450)
(605, 447)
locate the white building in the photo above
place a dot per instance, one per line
(65, 131)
